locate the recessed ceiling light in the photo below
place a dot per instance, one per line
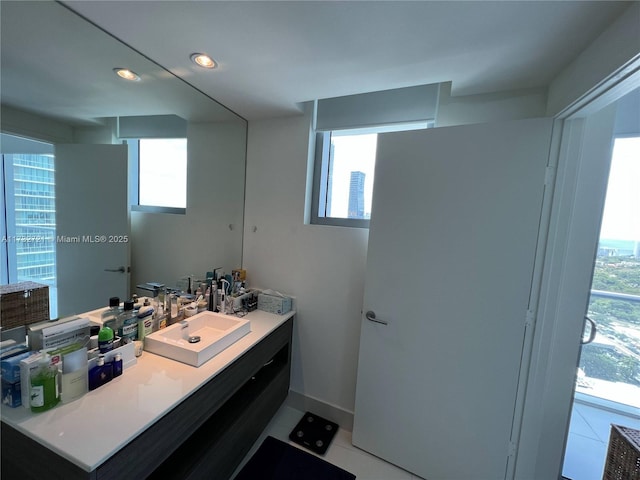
(127, 74)
(202, 60)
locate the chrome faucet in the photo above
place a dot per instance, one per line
(184, 327)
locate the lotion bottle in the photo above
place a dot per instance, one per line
(145, 321)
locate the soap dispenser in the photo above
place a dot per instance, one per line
(45, 390)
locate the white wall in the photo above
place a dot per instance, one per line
(613, 51)
(28, 125)
(165, 247)
(493, 107)
(322, 266)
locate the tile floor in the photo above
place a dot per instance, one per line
(584, 459)
(341, 453)
(588, 440)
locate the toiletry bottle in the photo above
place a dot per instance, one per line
(105, 339)
(45, 392)
(223, 292)
(220, 297)
(145, 321)
(117, 365)
(128, 323)
(213, 297)
(173, 313)
(75, 375)
(182, 303)
(94, 330)
(109, 315)
(160, 320)
(100, 374)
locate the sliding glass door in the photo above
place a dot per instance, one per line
(609, 366)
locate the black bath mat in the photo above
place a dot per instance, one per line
(314, 432)
(276, 460)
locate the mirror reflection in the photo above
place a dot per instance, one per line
(71, 136)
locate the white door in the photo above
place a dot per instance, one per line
(92, 226)
(451, 252)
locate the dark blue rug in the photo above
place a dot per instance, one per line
(277, 460)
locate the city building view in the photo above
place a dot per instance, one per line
(356, 195)
(350, 175)
(31, 221)
(610, 364)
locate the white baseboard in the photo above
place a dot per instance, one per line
(305, 403)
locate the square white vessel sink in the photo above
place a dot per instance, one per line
(216, 332)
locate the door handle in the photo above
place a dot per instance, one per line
(120, 269)
(371, 316)
(592, 332)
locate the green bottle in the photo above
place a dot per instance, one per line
(105, 339)
(45, 393)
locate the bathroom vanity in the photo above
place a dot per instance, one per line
(161, 418)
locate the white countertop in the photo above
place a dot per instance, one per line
(91, 429)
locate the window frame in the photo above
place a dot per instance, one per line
(4, 222)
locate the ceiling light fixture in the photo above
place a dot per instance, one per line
(203, 60)
(127, 74)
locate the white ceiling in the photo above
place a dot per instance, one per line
(273, 55)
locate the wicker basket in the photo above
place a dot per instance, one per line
(623, 456)
(23, 304)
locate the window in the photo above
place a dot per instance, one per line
(345, 168)
(344, 172)
(346, 141)
(28, 215)
(161, 174)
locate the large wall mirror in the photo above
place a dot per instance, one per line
(58, 87)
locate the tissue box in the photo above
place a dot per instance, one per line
(59, 333)
(10, 367)
(274, 303)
